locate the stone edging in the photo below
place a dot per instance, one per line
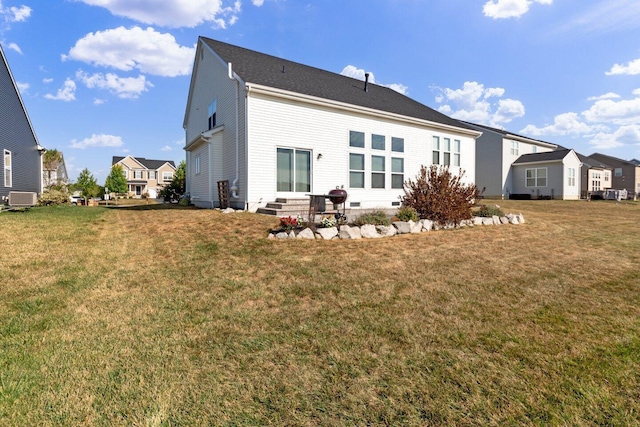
(369, 231)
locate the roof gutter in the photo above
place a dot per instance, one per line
(295, 96)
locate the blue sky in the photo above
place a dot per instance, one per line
(110, 77)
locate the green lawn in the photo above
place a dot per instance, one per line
(162, 316)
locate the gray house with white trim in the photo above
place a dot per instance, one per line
(549, 175)
(19, 147)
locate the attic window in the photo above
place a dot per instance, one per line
(211, 111)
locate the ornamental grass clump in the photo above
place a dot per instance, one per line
(377, 217)
(489, 211)
(440, 196)
(407, 213)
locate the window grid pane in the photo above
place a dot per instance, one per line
(377, 142)
(356, 139)
(397, 145)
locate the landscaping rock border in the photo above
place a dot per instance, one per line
(369, 231)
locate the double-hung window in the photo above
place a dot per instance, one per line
(515, 148)
(377, 172)
(196, 165)
(446, 155)
(356, 170)
(436, 150)
(167, 176)
(456, 152)
(397, 172)
(617, 172)
(572, 177)
(7, 169)
(536, 177)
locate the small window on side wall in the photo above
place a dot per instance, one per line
(7, 169)
(211, 111)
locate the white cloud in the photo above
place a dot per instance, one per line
(94, 140)
(125, 49)
(124, 87)
(563, 124)
(359, 73)
(475, 103)
(602, 17)
(23, 87)
(632, 68)
(257, 2)
(624, 135)
(503, 9)
(98, 101)
(608, 95)
(47, 80)
(623, 112)
(166, 148)
(173, 13)
(65, 93)
(19, 14)
(15, 47)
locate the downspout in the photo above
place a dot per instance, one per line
(234, 184)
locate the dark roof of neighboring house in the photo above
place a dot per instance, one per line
(505, 132)
(266, 70)
(548, 156)
(593, 163)
(148, 163)
(613, 160)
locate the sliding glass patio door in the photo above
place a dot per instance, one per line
(294, 170)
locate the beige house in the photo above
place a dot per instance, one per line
(596, 176)
(145, 176)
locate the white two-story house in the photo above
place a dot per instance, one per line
(274, 128)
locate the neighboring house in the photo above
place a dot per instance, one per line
(551, 174)
(55, 173)
(596, 176)
(496, 151)
(274, 128)
(626, 174)
(19, 147)
(145, 176)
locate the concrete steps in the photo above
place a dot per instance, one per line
(286, 207)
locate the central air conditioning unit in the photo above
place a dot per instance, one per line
(23, 198)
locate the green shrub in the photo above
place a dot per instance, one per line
(407, 213)
(489, 211)
(378, 217)
(440, 196)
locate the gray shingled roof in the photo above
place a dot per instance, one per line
(547, 156)
(592, 162)
(148, 163)
(259, 68)
(505, 132)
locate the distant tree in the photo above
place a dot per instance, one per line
(87, 184)
(116, 181)
(177, 187)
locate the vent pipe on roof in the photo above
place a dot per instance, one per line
(366, 82)
(282, 69)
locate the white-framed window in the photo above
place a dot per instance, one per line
(211, 113)
(8, 178)
(534, 148)
(124, 172)
(617, 172)
(595, 185)
(293, 170)
(356, 170)
(153, 175)
(456, 152)
(377, 142)
(515, 148)
(536, 177)
(572, 177)
(436, 150)
(397, 172)
(167, 176)
(378, 175)
(606, 176)
(137, 174)
(356, 139)
(446, 154)
(397, 145)
(196, 165)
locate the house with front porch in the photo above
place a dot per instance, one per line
(145, 177)
(277, 129)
